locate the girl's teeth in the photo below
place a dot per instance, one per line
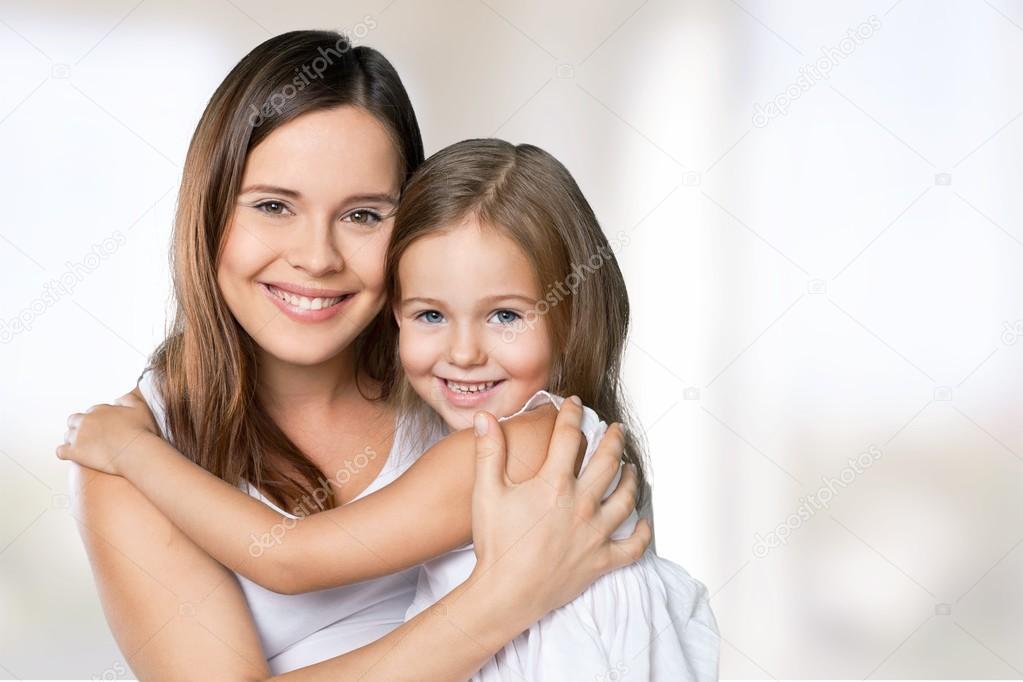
(470, 388)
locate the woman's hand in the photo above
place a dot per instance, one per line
(100, 436)
(549, 536)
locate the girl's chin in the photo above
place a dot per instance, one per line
(500, 402)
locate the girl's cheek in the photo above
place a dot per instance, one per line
(414, 350)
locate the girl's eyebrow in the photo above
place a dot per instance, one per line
(420, 299)
(505, 297)
(488, 299)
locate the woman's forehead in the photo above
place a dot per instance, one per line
(327, 153)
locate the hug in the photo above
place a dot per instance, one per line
(374, 444)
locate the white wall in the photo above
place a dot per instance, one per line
(842, 277)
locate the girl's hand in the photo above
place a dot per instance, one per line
(100, 436)
(550, 537)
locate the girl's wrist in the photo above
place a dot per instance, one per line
(125, 462)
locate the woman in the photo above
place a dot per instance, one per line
(276, 374)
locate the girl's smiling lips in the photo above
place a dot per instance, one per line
(459, 398)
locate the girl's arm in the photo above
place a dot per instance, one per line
(175, 611)
(423, 514)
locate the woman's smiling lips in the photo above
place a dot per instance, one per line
(462, 398)
(306, 304)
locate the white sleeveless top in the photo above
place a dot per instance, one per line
(299, 630)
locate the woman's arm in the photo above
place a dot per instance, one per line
(423, 514)
(174, 611)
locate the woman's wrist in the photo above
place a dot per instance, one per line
(500, 604)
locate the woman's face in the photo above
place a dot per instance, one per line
(469, 336)
(302, 269)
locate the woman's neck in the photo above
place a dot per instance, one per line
(287, 386)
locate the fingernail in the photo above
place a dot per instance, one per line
(575, 399)
(479, 424)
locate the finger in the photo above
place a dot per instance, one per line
(604, 464)
(624, 552)
(565, 441)
(62, 451)
(490, 453)
(74, 419)
(622, 502)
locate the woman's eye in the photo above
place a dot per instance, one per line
(430, 316)
(506, 316)
(364, 217)
(273, 208)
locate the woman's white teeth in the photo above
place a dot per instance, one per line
(470, 388)
(306, 303)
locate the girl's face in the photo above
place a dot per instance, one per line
(302, 269)
(465, 340)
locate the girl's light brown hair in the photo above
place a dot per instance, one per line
(529, 196)
(207, 364)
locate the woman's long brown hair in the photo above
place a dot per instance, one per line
(206, 366)
(529, 196)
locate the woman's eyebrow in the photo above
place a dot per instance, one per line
(272, 189)
(382, 198)
(365, 198)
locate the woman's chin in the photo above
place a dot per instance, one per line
(302, 352)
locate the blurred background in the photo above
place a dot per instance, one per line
(821, 240)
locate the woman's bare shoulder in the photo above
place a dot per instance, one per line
(155, 584)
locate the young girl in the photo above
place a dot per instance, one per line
(546, 309)
(506, 296)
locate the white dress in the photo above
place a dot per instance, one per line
(302, 629)
(647, 621)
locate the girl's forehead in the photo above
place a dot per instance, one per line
(466, 262)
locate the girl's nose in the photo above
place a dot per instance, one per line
(466, 349)
(316, 250)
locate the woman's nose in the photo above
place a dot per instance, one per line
(316, 249)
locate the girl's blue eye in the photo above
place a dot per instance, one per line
(272, 208)
(507, 316)
(363, 216)
(430, 317)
